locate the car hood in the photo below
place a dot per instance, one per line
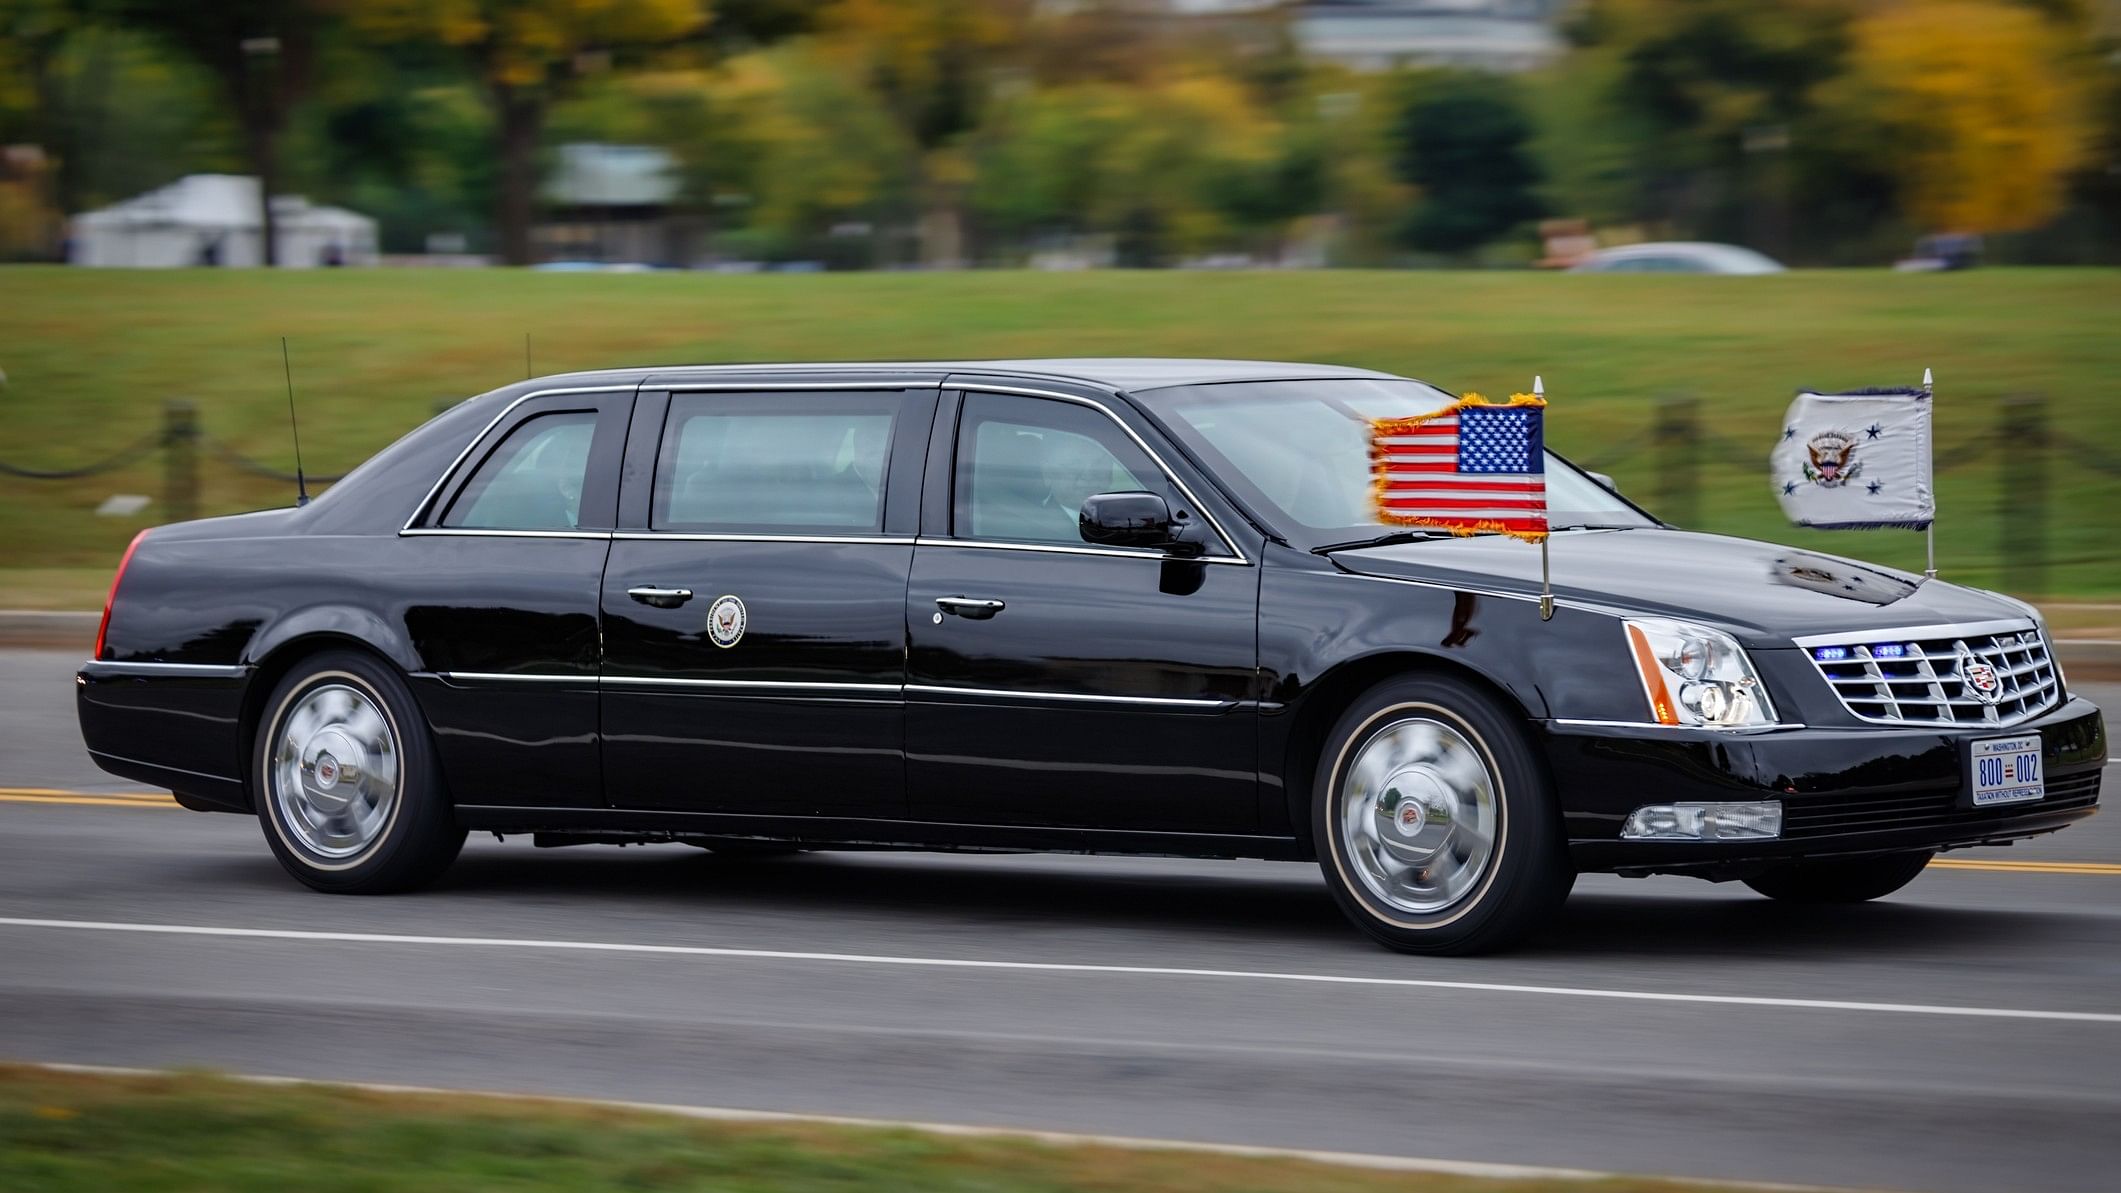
(1763, 593)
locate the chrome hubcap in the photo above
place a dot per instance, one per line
(1417, 815)
(334, 771)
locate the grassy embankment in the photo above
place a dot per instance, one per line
(77, 1133)
(92, 355)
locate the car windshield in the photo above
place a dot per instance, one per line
(1299, 453)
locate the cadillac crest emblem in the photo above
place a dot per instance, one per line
(1979, 677)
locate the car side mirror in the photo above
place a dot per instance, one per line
(1126, 520)
(1604, 481)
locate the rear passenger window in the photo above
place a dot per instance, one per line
(774, 463)
(533, 480)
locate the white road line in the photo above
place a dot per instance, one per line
(1157, 971)
(1471, 1168)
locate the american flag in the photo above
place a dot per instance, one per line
(1470, 467)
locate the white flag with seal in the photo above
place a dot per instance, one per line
(1856, 461)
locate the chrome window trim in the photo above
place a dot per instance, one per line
(1230, 544)
(172, 670)
(2005, 625)
(1061, 549)
(420, 511)
(456, 532)
(880, 385)
(1170, 701)
(685, 536)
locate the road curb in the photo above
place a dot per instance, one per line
(40, 629)
(2085, 658)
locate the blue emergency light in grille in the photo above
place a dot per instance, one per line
(1913, 677)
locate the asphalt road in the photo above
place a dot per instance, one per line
(1963, 1035)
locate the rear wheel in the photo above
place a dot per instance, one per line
(348, 788)
(1434, 824)
(1850, 880)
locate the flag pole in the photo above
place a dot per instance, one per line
(1929, 533)
(1546, 575)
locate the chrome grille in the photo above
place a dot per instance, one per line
(1915, 676)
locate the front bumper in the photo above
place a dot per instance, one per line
(1844, 791)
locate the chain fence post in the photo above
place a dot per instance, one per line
(1676, 434)
(180, 460)
(2021, 483)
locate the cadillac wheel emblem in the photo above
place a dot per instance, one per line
(725, 621)
(1979, 677)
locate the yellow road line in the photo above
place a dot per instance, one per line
(115, 799)
(1966, 863)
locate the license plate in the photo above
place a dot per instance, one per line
(2007, 771)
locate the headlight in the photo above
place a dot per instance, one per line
(1694, 675)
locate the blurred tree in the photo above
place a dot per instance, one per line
(1036, 160)
(827, 157)
(1689, 80)
(1463, 139)
(32, 32)
(402, 140)
(1184, 166)
(1979, 108)
(932, 63)
(526, 52)
(261, 53)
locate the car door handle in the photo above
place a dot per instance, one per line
(973, 607)
(661, 598)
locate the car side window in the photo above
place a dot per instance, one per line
(533, 480)
(1025, 466)
(774, 463)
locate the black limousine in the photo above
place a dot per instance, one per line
(1126, 606)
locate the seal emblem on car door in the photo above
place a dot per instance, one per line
(725, 621)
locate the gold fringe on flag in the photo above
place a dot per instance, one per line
(1383, 428)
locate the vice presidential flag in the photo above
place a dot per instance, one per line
(1471, 467)
(1856, 461)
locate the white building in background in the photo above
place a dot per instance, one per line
(612, 204)
(1499, 35)
(213, 219)
(1376, 35)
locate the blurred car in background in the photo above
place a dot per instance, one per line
(1679, 256)
(1943, 251)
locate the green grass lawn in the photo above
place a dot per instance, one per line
(92, 355)
(76, 1133)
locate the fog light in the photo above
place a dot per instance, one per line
(1704, 822)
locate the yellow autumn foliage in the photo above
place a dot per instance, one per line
(519, 41)
(1986, 105)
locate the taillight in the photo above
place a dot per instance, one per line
(103, 627)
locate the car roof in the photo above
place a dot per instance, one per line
(1118, 373)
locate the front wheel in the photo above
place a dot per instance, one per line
(1852, 880)
(1435, 825)
(348, 788)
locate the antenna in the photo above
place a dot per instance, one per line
(301, 485)
(527, 372)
